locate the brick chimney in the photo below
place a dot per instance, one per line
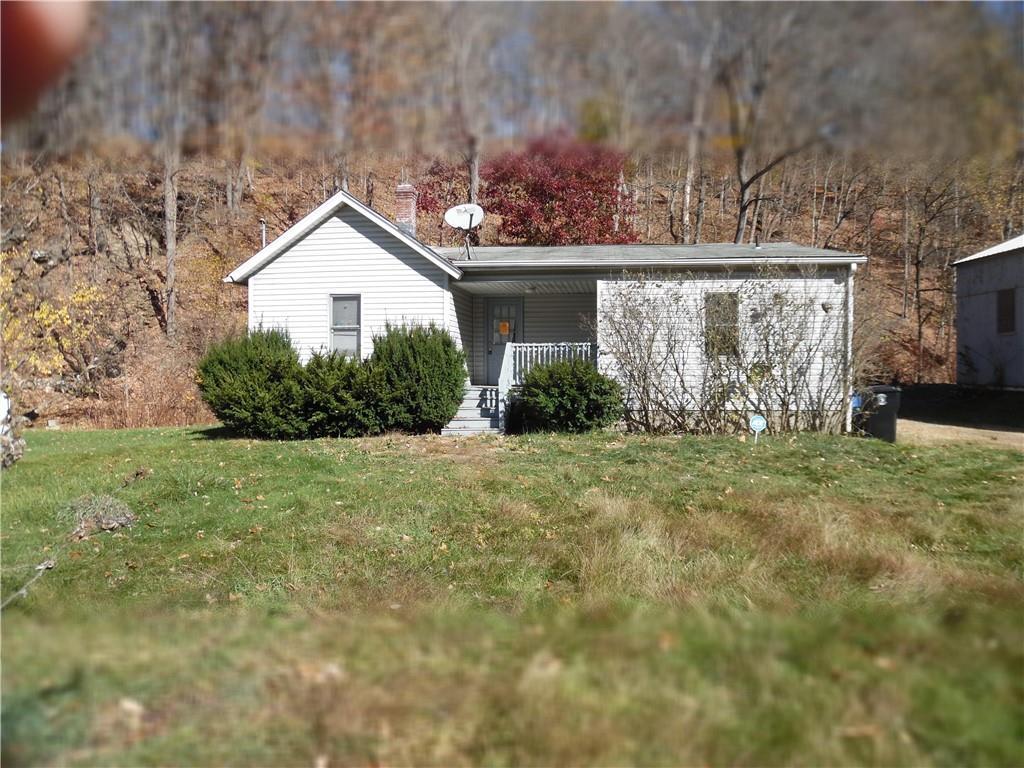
(405, 208)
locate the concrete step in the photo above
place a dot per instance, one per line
(464, 428)
(476, 412)
(473, 423)
(486, 399)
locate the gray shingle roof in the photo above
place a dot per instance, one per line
(641, 255)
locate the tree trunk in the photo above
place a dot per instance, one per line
(906, 249)
(474, 169)
(673, 190)
(918, 297)
(649, 198)
(700, 209)
(369, 188)
(171, 161)
(741, 213)
(696, 134)
(757, 211)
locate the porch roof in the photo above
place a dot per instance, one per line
(603, 257)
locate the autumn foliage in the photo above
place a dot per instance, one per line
(560, 191)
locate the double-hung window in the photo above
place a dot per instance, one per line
(721, 324)
(345, 325)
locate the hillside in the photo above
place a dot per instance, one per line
(85, 321)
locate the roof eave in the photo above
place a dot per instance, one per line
(474, 266)
(999, 249)
(983, 256)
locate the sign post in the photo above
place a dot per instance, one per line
(758, 424)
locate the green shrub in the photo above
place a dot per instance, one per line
(339, 400)
(254, 385)
(417, 376)
(569, 397)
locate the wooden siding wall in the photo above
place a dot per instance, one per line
(553, 317)
(461, 324)
(478, 355)
(827, 329)
(347, 255)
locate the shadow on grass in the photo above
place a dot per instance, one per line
(217, 432)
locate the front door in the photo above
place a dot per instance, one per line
(504, 326)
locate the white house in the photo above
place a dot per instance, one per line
(341, 274)
(989, 313)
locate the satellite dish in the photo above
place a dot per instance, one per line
(465, 216)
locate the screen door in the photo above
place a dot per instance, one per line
(504, 326)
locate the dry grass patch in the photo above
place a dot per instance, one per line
(625, 549)
(600, 600)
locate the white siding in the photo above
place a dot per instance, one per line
(347, 255)
(451, 323)
(553, 317)
(808, 295)
(478, 369)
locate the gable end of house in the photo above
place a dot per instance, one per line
(307, 224)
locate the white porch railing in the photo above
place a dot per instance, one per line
(520, 358)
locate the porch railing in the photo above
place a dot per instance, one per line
(520, 358)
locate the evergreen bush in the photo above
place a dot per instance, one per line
(339, 400)
(416, 378)
(412, 383)
(570, 396)
(254, 385)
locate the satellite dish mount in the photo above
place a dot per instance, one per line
(464, 218)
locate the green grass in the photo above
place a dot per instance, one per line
(540, 600)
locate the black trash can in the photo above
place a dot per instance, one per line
(875, 414)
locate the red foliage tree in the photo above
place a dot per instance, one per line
(441, 186)
(559, 191)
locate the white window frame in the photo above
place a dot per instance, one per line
(716, 327)
(358, 328)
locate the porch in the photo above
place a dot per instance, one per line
(483, 406)
(507, 326)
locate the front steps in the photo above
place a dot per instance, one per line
(478, 414)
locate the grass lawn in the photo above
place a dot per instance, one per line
(541, 600)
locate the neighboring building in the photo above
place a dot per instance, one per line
(338, 276)
(990, 315)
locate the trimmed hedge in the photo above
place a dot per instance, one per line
(570, 396)
(418, 376)
(257, 387)
(338, 398)
(254, 385)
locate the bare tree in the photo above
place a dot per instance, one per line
(702, 81)
(696, 353)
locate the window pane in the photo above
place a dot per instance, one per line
(721, 324)
(1005, 311)
(345, 311)
(345, 342)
